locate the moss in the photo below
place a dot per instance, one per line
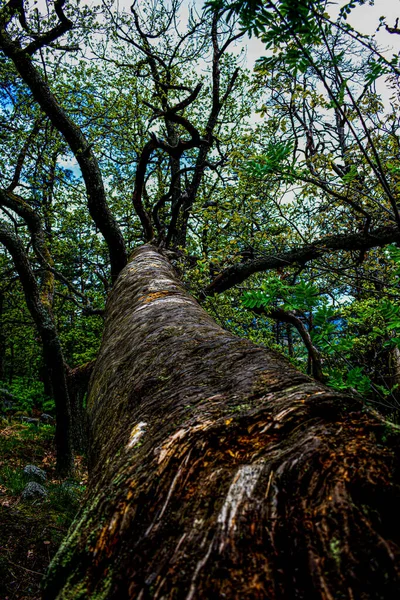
(77, 591)
(335, 549)
(105, 586)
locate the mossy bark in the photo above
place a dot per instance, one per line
(218, 470)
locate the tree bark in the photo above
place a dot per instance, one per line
(219, 471)
(78, 381)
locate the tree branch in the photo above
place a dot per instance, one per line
(96, 196)
(300, 256)
(21, 207)
(289, 316)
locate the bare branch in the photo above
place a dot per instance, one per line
(299, 256)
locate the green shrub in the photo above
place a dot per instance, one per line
(29, 396)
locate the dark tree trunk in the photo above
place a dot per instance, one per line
(52, 351)
(44, 378)
(218, 470)
(2, 340)
(12, 361)
(78, 381)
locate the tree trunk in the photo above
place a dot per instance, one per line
(2, 340)
(78, 381)
(12, 364)
(394, 366)
(52, 351)
(218, 470)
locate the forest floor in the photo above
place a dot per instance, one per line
(32, 530)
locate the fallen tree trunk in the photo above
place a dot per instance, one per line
(218, 470)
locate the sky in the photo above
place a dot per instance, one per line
(364, 19)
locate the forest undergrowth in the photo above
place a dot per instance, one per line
(32, 530)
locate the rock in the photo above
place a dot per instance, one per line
(7, 401)
(35, 473)
(30, 420)
(5, 396)
(68, 485)
(33, 490)
(7, 404)
(45, 418)
(71, 488)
